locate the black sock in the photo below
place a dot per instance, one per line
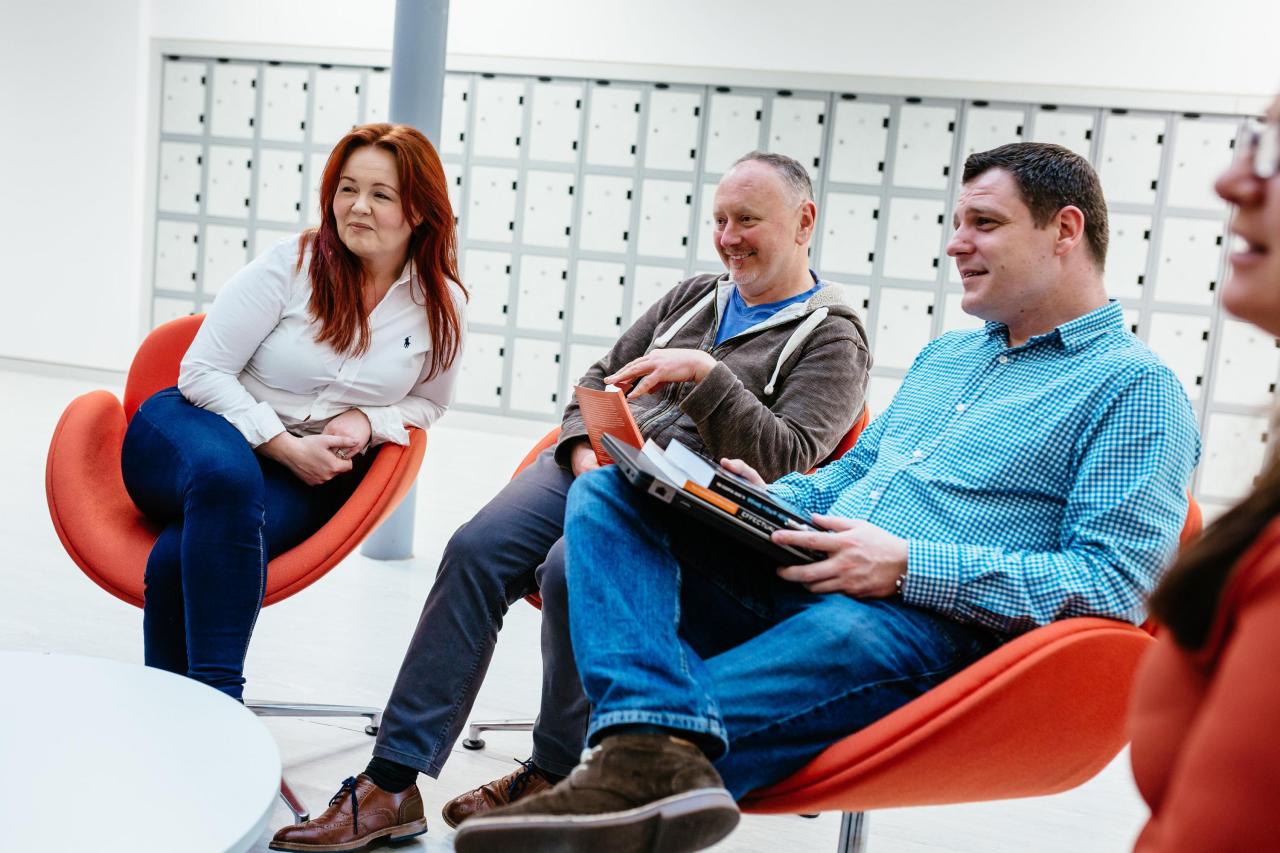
(553, 778)
(390, 776)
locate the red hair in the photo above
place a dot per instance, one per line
(337, 276)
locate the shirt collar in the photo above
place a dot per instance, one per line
(1074, 334)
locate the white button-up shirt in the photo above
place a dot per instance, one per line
(255, 360)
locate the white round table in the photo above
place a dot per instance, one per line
(104, 756)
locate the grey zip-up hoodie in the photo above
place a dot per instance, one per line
(784, 393)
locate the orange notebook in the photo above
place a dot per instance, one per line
(607, 413)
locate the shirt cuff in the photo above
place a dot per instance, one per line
(386, 425)
(258, 424)
(786, 491)
(932, 575)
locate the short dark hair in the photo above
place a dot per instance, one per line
(788, 168)
(1050, 177)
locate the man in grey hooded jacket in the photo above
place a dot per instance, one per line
(764, 363)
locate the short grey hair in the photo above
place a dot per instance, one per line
(788, 168)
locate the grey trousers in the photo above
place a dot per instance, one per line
(512, 547)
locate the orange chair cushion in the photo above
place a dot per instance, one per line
(1040, 715)
(109, 539)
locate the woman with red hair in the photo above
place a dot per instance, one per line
(325, 345)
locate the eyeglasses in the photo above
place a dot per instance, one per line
(1264, 150)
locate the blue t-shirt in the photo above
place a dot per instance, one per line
(739, 316)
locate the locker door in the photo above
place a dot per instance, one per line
(453, 113)
(1248, 363)
(378, 99)
(672, 139)
(665, 211)
(734, 130)
(904, 324)
(265, 238)
(649, 284)
(491, 215)
(1182, 342)
(230, 170)
(1202, 150)
(180, 164)
(1127, 250)
(183, 110)
(556, 111)
(548, 208)
(164, 309)
(226, 251)
(612, 126)
(284, 103)
(881, 391)
(858, 142)
(499, 118)
(915, 234)
(488, 279)
(923, 155)
(176, 246)
(1234, 447)
(1131, 149)
(453, 177)
(540, 300)
(535, 377)
(1069, 129)
(708, 257)
(311, 202)
(480, 379)
(234, 100)
(986, 128)
(337, 108)
(796, 128)
(954, 317)
(857, 295)
(581, 359)
(606, 214)
(1190, 258)
(280, 185)
(849, 225)
(597, 308)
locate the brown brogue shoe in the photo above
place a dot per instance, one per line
(360, 813)
(514, 786)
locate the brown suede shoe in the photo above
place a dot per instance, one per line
(360, 813)
(501, 792)
(642, 793)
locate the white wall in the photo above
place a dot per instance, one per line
(75, 96)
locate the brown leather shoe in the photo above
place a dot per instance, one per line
(358, 814)
(514, 786)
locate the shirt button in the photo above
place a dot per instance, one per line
(960, 407)
(1004, 359)
(875, 496)
(917, 454)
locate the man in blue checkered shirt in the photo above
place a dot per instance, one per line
(1029, 471)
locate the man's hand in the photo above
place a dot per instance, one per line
(583, 458)
(864, 561)
(353, 424)
(659, 367)
(743, 470)
(312, 458)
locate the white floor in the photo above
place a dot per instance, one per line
(342, 639)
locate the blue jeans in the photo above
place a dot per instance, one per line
(675, 626)
(225, 512)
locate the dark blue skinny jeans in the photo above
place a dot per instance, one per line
(225, 512)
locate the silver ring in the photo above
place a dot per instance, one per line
(341, 453)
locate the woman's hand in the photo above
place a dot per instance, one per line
(353, 424)
(313, 459)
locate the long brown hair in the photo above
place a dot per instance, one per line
(337, 277)
(1187, 599)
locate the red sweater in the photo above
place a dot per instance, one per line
(1206, 725)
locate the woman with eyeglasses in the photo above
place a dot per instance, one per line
(328, 343)
(1206, 708)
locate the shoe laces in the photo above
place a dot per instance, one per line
(349, 787)
(521, 780)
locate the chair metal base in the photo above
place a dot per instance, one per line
(294, 709)
(473, 739)
(853, 833)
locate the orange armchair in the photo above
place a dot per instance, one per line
(1039, 715)
(110, 540)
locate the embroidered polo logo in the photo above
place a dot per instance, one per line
(406, 343)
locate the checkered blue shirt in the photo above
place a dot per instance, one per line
(1033, 483)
